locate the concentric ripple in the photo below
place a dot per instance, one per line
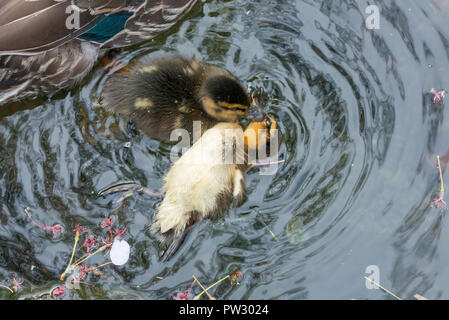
(358, 129)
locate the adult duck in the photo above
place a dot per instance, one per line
(48, 45)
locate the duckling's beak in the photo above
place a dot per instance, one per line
(255, 113)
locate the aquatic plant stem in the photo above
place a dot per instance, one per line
(441, 178)
(101, 265)
(211, 286)
(7, 288)
(27, 212)
(204, 290)
(386, 290)
(90, 255)
(77, 236)
(271, 232)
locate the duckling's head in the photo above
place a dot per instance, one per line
(224, 98)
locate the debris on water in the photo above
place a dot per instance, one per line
(55, 230)
(106, 223)
(236, 276)
(119, 253)
(90, 243)
(271, 232)
(438, 95)
(439, 202)
(58, 291)
(119, 232)
(295, 230)
(16, 284)
(184, 295)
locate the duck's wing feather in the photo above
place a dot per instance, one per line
(26, 76)
(150, 19)
(30, 27)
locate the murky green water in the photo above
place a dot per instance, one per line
(358, 125)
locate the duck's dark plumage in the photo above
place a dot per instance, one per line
(171, 92)
(34, 33)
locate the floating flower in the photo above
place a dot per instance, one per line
(438, 203)
(83, 270)
(438, 96)
(16, 284)
(119, 252)
(58, 291)
(90, 243)
(182, 295)
(79, 229)
(107, 241)
(106, 223)
(54, 229)
(119, 232)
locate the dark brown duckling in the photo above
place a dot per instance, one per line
(170, 93)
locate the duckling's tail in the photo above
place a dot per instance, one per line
(174, 236)
(176, 242)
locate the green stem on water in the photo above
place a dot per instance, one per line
(271, 232)
(77, 236)
(441, 177)
(6, 288)
(211, 286)
(90, 255)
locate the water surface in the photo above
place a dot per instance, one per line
(359, 127)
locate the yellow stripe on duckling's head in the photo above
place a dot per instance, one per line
(224, 98)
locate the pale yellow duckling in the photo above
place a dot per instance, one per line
(208, 178)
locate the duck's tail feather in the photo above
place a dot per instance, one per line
(175, 244)
(173, 237)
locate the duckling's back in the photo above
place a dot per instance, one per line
(160, 96)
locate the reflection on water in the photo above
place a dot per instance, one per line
(354, 190)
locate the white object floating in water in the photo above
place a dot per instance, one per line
(119, 252)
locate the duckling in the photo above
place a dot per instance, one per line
(207, 179)
(171, 93)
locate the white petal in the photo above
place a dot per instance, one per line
(119, 252)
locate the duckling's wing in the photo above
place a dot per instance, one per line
(149, 20)
(30, 27)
